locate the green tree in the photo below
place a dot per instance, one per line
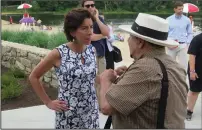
(35, 6)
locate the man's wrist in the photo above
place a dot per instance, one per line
(192, 71)
(97, 18)
(105, 81)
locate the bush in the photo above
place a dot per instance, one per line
(17, 73)
(11, 91)
(56, 40)
(7, 78)
(38, 39)
(10, 86)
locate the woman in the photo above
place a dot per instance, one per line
(194, 72)
(25, 15)
(75, 66)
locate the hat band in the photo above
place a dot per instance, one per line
(149, 32)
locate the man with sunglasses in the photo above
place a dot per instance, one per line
(101, 31)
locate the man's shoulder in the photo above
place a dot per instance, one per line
(197, 38)
(144, 61)
(145, 65)
(171, 16)
(186, 18)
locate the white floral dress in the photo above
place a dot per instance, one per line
(76, 87)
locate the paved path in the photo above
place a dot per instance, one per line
(42, 117)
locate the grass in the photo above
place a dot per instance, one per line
(38, 39)
(10, 87)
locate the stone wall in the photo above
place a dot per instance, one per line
(25, 58)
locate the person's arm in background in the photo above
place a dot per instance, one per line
(96, 37)
(169, 30)
(192, 62)
(103, 28)
(189, 32)
(193, 74)
(111, 37)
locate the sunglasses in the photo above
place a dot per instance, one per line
(88, 6)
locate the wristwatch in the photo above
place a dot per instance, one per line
(192, 71)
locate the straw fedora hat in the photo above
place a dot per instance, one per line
(150, 28)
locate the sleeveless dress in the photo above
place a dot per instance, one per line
(76, 87)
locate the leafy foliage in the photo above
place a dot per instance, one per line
(10, 87)
(38, 39)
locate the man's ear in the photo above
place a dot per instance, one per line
(141, 43)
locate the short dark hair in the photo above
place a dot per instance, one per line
(178, 4)
(74, 19)
(83, 1)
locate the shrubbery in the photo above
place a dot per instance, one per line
(38, 39)
(10, 87)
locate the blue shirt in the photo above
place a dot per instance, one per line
(180, 28)
(100, 44)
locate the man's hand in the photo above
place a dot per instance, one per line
(121, 70)
(96, 15)
(193, 76)
(109, 75)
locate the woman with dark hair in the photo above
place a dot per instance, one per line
(75, 65)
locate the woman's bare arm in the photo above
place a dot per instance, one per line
(45, 65)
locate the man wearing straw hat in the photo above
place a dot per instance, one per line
(152, 92)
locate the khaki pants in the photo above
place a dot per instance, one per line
(180, 54)
(101, 66)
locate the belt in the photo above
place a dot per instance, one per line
(100, 56)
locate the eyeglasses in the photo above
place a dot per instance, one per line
(88, 6)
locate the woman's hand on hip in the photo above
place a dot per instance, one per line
(58, 105)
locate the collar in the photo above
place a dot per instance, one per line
(153, 53)
(177, 16)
